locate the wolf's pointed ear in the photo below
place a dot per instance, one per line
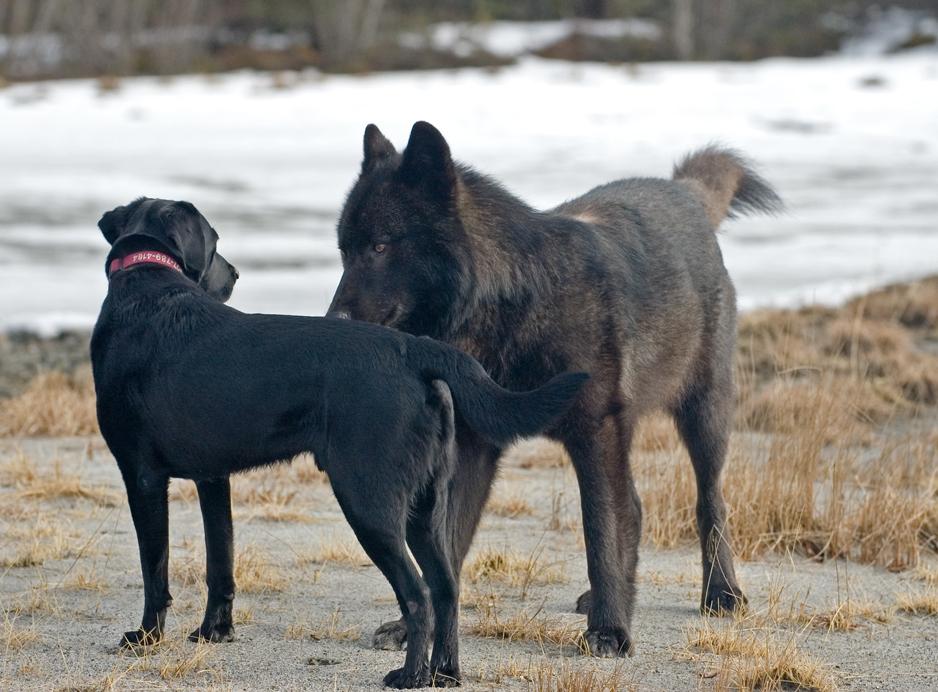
(112, 223)
(377, 148)
(428, 162)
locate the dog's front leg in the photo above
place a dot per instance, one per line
(215, 500)
(149, 507)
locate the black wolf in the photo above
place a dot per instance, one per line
(626, 283)
(188, 387)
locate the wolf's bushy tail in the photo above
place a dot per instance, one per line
(497, 414)
(726, 183)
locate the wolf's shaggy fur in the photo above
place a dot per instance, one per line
(625, 282)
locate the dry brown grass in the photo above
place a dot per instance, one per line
(752, 659)
(505, 566)
(561, 676)
(255, 571)
(538, 453)
(339, 551)
(329, 629)
(53, 404)
(919, 602)
(35, 540)
(32, 482)
(796, 494)
(14, 636)
(523, 626)
(509, 506)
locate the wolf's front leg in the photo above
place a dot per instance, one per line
(149, 507)
(215, 501)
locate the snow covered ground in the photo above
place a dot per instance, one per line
(850, 142)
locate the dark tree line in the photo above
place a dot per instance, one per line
(45, 38)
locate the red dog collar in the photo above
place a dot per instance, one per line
(143, 257)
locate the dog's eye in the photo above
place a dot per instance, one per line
(380, 247)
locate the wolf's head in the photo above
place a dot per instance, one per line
(404, 251)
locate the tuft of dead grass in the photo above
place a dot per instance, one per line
(793, 493)
(538, 453)
(509, 506)
(919, 602)
(36, 540)
(338, 551)
(756, 659)
(501, 565)
(52, 404)
(14, 636)
(31, 483)
(329, 629)
(255, 571)
(523, 626)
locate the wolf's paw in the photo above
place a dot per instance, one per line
(391, 636)
(723, 600)
(403, 679)
(583, 603)
(607, 642)
(219, 632)
(140, 638)
(445, 676)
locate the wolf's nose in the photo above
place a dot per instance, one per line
(339, 314)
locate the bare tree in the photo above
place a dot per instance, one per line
(682, 27)
(345, 28)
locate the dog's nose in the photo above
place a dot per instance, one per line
(237, 274)
(339, 314)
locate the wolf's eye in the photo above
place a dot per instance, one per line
(380, 247)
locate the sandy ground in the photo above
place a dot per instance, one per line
(312, 630)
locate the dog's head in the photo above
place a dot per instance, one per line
(400, 235)
(176, 228)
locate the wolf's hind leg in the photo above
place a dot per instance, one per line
(704, 419)
(613, 590)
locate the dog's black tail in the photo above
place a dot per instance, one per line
(499, 415)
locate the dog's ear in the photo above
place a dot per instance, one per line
(377, 149)
(428, 162)
(114, 222)
(193, 237)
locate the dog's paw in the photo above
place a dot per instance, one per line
(391, 636)
(403, 679)
(607, 642)
(724, 600)
(139, 638)
(445, 676)
(219, 632)
(583, 603)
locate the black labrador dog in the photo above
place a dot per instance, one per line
(188, 387)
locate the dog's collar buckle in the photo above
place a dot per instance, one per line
(143, 257)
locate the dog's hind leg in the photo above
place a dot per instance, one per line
(149, 506)
(473, 475)
(427, 541)
(215, 501)
(703, 419)
(429, 538)
(378, 523)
